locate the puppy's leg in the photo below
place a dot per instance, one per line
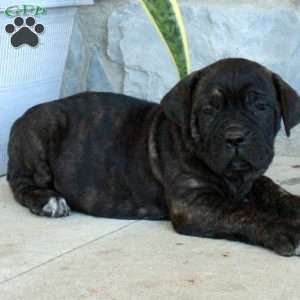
(273, 198)
(42, 202)
(210, 215)
(29, 174)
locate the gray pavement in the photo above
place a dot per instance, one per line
(82, 257)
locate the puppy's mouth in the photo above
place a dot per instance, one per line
(237, 167)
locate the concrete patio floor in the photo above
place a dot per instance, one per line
(82, 257)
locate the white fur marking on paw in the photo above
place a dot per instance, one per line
(56, 207)
(297, 250)
(51, 207)
(62, 206)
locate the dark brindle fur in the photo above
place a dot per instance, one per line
(197, 158)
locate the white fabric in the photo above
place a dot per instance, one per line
(29, 76)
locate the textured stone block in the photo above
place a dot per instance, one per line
(133, 60)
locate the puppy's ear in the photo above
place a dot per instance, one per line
(177, 102)
(289, 102)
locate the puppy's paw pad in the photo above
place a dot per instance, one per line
(56, 207)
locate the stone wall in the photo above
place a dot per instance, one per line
(115, 48)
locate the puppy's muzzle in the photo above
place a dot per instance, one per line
(235, 136)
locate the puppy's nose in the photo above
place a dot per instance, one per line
(234, 137)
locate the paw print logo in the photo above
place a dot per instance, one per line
(24, 34)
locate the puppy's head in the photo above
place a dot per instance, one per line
(231, 112)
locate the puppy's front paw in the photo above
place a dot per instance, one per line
(284, 239)
(55, 208)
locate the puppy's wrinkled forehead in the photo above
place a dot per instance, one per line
(236, 76)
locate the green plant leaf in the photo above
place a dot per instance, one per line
(166, 17)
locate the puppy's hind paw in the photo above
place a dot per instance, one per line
(297, 250)
(55, 208)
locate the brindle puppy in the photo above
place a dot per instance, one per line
(197, 158)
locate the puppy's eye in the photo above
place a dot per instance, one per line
(254, 100)
(208, 110)
(260, 106)
(251, 97)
